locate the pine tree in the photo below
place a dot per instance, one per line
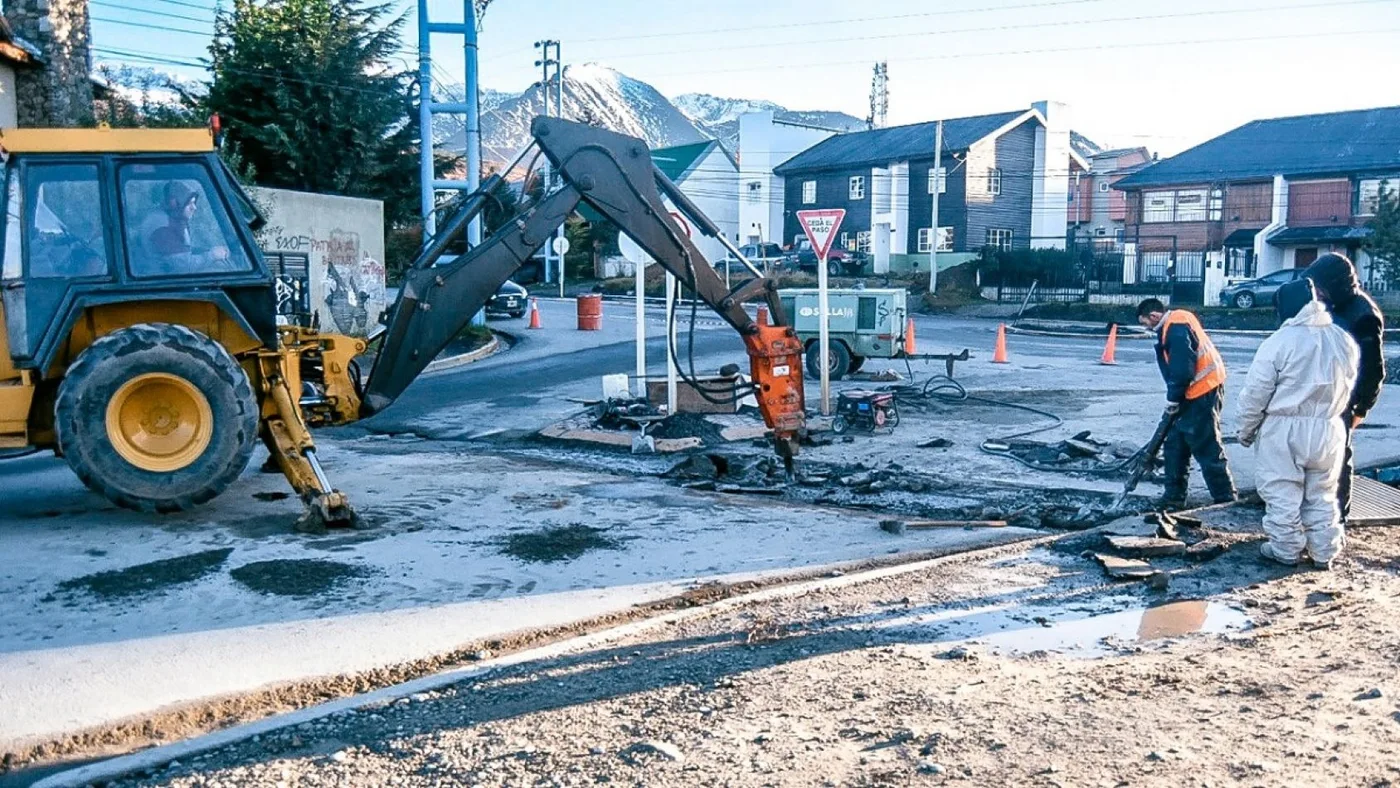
(310, 98)
(1384, 243)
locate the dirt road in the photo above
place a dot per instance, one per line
(1011, 667)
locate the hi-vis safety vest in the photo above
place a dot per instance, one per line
(1210, 367)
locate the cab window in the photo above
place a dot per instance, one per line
(175, 223)
(62, 209)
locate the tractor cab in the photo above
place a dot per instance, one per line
(97, 218)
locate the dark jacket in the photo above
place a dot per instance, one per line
(1179, 345)
(1353, 310)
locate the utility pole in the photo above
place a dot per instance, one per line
(933, 198)
(549, 58)
(879, 96)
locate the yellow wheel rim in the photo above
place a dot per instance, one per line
(159, 422)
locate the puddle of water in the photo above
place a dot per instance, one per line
(654, 492)
(1079, 631)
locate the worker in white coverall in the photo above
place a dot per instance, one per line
(1294, 399)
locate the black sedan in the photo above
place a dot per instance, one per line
(510, 299)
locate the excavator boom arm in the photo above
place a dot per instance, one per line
(614, 174)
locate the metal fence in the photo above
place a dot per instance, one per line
(1081, 270)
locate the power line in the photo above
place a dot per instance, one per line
(848, 20)
(165, 14)
(1043, 51)
(1002, 28)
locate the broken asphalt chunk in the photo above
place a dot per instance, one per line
(935, 443)
(1145, 546)
(1124, 568)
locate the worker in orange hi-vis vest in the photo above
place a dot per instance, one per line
(1195, 377)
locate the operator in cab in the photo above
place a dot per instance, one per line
(1195, 376)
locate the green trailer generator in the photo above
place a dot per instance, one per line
(862, 323)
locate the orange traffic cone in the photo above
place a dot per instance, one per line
(534, 314)
(999, 357)
(1111, 346)
(910, 346)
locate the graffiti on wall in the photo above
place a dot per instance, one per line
(344, 283)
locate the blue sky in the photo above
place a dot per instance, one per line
(1164, 73)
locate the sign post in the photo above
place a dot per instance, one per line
(820, 227)
(560, 245)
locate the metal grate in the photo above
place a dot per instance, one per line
(1373, 503)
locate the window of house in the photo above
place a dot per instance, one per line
(1119, 235)
(1103, 186)
(809, 192)
(755, 190)
(1368, 194)
(857, 188)
(994, 181)
(175, 222)
(1217, 204)
(63, 221)
(938, 179)
(999, 238)
(1158, 206)
(1191, 206)
(847, 243)
(945, 239)
(1185, 205)
(1101, 231)
(863, 241)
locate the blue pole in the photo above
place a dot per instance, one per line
(425, 121)
(473, 115)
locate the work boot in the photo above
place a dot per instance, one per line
(1165, 504)
(1267, 551)
(1323, 566)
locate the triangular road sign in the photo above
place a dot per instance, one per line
(821, 226)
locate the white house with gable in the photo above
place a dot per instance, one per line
(709, 176)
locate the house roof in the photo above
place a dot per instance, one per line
(15, 49)
(1313, 235)
(1332, 143)
(896, 143)
(678, 161)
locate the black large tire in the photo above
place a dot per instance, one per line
(158, 351)
(840, 360)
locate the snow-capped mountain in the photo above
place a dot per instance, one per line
(597, 94)
(592, 93)
(719, 117)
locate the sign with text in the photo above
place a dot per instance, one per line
(820, 227)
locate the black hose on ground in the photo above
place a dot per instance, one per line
(943, 388)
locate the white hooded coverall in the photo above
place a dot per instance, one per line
(1292, 404)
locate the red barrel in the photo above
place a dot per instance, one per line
(590, 312)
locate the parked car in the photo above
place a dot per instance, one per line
(838, 262)
(766, 256)
(510, 299)
(1258, 292)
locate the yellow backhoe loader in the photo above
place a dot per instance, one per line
(140, 340)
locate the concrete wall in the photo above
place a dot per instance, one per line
(9, 106)
(342, 241)
(764, 144)
(1050, 180)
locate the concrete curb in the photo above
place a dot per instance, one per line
(1035, 332)
(461, 360)
(152, 759)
